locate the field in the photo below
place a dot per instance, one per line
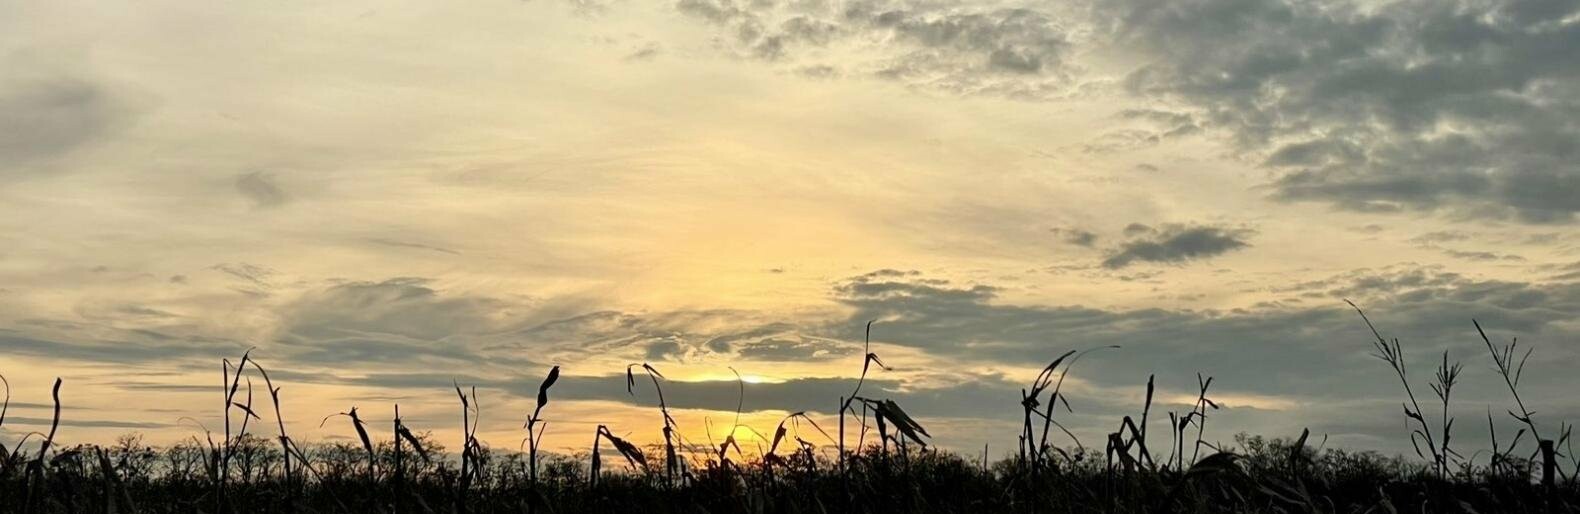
(876, 460)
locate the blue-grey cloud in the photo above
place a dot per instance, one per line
(1176, 244)
(398, 321)
(1460, 107)
(139, 347)
(1311, 345)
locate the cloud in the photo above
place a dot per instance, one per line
(646, 52)
(1435, 239)
(85, 423)
(961, 49)
(1453, 107)
(1481, 256)
(1156, 126)
(721, 335)
(1076, 236)
(799, 349)
(1431, 239)
(1136, 229)
(1123, 140)
(411, 322)
(126, 347)
(1303, 352)
(398, 321)
(254, 274)
(589, 8)
(1437, 106)
(1176, 244)
(406, 244)
(260, 189)
(1315, 351)
(819, 71)
(46, 114)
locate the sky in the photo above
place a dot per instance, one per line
(385, 200)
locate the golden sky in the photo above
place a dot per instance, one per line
(381, 198)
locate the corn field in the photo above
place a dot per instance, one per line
(877, 459)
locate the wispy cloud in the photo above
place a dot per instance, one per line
(407, 244)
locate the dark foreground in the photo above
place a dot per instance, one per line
(411, 473)
(1258, 476)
